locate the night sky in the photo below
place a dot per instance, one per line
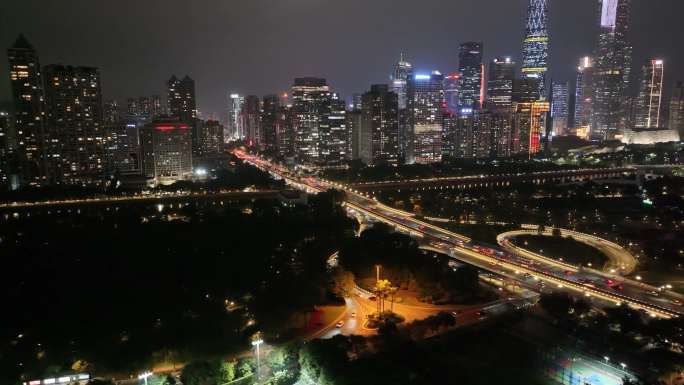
(259, 46)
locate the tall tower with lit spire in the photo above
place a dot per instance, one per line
(536, 43)
(403, 84)
(612, 69)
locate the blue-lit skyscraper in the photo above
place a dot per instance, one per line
(536, 43)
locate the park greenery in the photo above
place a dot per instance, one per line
(408, 267)
(123, 290)
(567, 249)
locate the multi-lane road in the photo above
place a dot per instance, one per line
(593, 286)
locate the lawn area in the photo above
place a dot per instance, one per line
(569, 249)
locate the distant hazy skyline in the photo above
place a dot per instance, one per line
(259, 46)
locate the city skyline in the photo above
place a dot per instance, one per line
(433, 46)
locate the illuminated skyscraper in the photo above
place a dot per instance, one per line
(334, 135)
(29, 115)
(559, 107)
(470, 66)
(500, 84)
(310, 100)
(269, 121)
(612, 68)
(676, 121)
(181, 99)
(649, 105)
(403, 86)
(584, 98)
(536, 43)
(6, 149)
(250, 118)
(73, 100)
(210, 138)
(167, 151)
(529, 127)
(235, 129)
(380, 126)
(451, 84)
(526, 90)
(428, 117)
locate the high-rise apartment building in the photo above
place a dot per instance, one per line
(560, 100)
(612, 67)
(6, 150)
(500, 84)
(380, 126)
(676, 120)
(536, 43)
(311, 100)
(649, 106)
(428, 114)
(210, 138)
(74, 124)
(470, 67)
(26, 81)
(181, 99)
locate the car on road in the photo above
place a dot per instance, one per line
(371, 298)
(353, 314)
(339, 324)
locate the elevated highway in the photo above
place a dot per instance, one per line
(490, 259)
(479, 181)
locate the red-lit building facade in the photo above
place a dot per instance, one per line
(167, 151)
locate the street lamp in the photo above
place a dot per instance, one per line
(256, 343)
(144, 376)
(624, 366)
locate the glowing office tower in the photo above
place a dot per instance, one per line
(428, 117)
(529, 124)
(559, 107)
(649, 104)
(612, 67)
(500, 84)
(402, 84)
(451, 84)
(235, 129)
(310, 100)
(536, 43)
(270, 106)
(470, 66)
(584, 98)
(167, 150)
(334, 134)
(250, 119)
(379, 132)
